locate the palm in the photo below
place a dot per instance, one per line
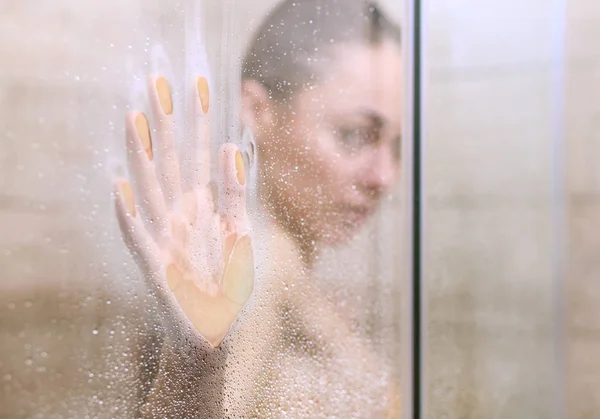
(190, 239)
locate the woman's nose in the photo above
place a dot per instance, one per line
(381, 174)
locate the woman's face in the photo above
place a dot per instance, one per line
(335, 150)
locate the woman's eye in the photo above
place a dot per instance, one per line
(356, 138)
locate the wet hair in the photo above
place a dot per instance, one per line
(296, 41)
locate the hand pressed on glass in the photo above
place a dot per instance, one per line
(194, 245)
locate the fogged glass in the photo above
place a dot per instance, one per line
(494, 209)
(200, 209)
(582, 209)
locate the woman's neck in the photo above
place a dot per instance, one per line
(305, 247)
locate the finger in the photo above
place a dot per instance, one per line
(199, 134)
(144, 250)
(138, 241)
(239, 275)
(232, 188)
(139, 156)
(166, 160)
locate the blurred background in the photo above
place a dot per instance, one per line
(511, 208)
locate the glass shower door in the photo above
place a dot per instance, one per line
(138, 281)
(493, 209)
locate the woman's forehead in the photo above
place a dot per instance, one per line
(366, 62)
(365, 81)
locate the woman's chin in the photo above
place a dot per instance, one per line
(341, 233)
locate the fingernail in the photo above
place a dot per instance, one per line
(143, 131)
(239, 166)
(203, 93)
(128, 197)
(164, 95)
(174, 276)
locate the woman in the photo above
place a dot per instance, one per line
(321, 95)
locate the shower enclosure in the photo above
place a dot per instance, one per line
(472, 284)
